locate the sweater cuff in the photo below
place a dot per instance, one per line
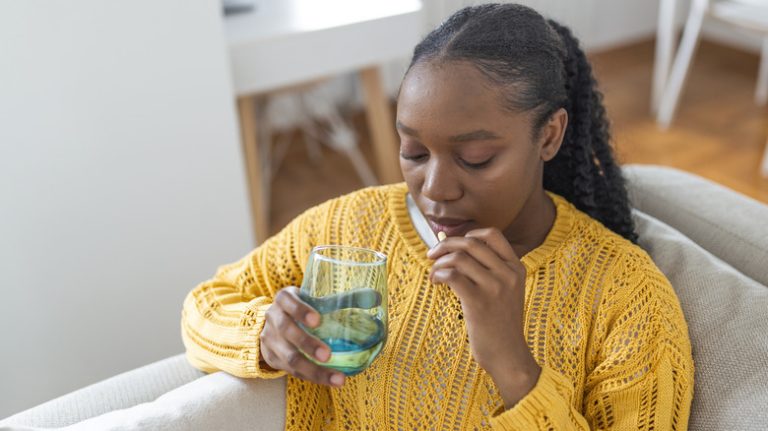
(543, 400)
(255, 317)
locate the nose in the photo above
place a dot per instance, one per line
(441, 184)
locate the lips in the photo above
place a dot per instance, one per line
(451, 226)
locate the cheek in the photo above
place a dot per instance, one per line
(409, 173)
(502, 179)
(501, 192)
(413, 176)
(500, 207)
(516, 170)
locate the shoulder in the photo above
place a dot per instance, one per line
(629, 288)
(594, 238)
(635, 289)
(627, 269)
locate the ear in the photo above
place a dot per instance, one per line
(552, 133)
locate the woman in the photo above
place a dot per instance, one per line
(537, 311)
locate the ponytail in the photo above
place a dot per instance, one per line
(584, 171)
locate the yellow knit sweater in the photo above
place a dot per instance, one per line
(600, 319)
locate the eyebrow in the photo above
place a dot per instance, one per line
(476, 135)
(407, 130)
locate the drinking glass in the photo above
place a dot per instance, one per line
(348, 287)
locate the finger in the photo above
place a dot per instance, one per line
(468, 266)
(458, 282)
(308, 370)
(268, 335)
(279, 352)
(294, 362)
(303, 340)
(496, 241)
(268, 356)
(474, 247)
(288, 300)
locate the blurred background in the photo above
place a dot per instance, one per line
(144, 143)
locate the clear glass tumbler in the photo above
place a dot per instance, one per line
(348, 287)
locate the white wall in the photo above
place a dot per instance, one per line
(599, 24)
(121, 184)
(602, 24)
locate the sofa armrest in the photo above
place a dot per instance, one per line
(119, 392)
(729, 225)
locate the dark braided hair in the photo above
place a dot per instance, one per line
(541, 68)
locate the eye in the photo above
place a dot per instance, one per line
(479, 165)
(413, 158)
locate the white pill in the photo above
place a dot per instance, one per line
(441, 236)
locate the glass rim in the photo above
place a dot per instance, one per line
(381, 257)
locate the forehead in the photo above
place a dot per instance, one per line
(452, 97)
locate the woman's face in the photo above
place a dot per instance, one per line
(468, 161)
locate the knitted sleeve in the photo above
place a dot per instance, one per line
(641, 370)
(223, 317)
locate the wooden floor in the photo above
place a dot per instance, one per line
(718, 133)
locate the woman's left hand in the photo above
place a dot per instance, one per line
(483, 270)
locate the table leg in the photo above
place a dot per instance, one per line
(247, 107)
(381, 125)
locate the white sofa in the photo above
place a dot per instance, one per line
(711, 242)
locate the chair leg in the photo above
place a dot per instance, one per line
(664, 50)
(761, 92)
(764, 165)
(671, 94)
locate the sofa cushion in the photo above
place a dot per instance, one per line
(705, 212)
(216, 401)
(118, 392)
(727, 315)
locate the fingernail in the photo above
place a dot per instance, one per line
(337, 379)
(322, 354)
(312, 320)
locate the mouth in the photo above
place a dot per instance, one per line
(451, 226)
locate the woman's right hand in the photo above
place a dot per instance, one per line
(283, 340)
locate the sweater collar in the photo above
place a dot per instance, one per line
(532, 260)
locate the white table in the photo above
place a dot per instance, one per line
(285, 43)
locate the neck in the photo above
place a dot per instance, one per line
(530, 228)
